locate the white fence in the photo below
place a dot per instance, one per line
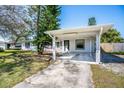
(112, 47)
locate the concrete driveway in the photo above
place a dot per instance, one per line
(60, 75)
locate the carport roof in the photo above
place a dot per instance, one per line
(105, 27)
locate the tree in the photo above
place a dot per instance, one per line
(16, 21)
(91, 21)
(112, 36)
(47, 19)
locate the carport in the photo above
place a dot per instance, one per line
(78, 43)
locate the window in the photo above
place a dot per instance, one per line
(27, 44)
(80, 43)
(18, 45)
(58, 44)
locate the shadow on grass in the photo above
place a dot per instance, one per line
(18, 60)
(21, 60)
(15, 67)
(110, 58)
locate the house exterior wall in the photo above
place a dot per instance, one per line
(3, 45)
(30, 47)
(88, 46)
(23, 46)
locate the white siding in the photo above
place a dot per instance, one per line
(23, 46)
(3, 45)
(89, 44)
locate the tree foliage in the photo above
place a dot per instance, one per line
(91, 21)
(16, 21)
(47, 19)
(112, 36)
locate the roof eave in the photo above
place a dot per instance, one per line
(97, 27)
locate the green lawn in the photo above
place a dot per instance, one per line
(4, 54)
(15, 66)
(103, 78)
(118, 53)
(9, 52)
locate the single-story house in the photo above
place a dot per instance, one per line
(78, 40)
(25, 45)
(2, 45)
(19, 45)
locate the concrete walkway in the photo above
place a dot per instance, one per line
(62, 75)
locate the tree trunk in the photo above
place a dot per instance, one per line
(38, 17)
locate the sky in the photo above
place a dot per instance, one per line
(77, 16)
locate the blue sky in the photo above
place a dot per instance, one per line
(77, 16)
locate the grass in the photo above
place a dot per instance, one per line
(4, 54)
(103, 78)
(119, 53)
(9, 52)
(15, 67)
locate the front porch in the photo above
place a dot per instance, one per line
(79, 44)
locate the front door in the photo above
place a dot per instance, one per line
(66, 45)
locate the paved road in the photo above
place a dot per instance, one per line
(62, 75)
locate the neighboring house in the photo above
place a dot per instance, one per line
(2, 45)
(25, 45)
(78, 40)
